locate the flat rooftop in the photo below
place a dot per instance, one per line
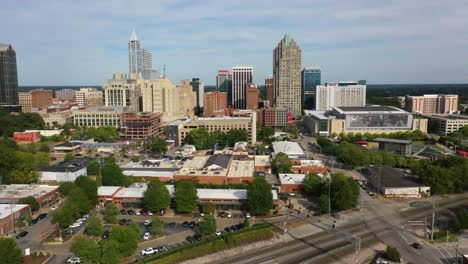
(7, 209)
(287, 147)
(156, 165)
(263, 161)
(14, 192)
(389, 177)
(372, 108)
(242, 168)
(316, 163)
(289, 178)
(391, 140)
(196, 163)
(107, 190)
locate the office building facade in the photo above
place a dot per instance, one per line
(64, 94)
(25, 101)
(187, 99)
(287, 75)
(241, 76)
(274, 117)
(269, 90)
(432, 104)
(215, 103)
(140, 60)
(8, 75)
(140, 125)
(310, 78)
(99, 116)
(252, 94)
(122, 92)
(89, 97)
(199, 88)
(160, 96)
(340, 94)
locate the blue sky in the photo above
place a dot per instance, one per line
(60, 42)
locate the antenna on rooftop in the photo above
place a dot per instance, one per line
(164, 71)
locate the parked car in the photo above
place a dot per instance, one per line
(150, 213)
(21, 235)
(128, 221)
(74, 260)
(146, 236)
(197, 237)
(223, 215)
(185, 224)
(247, 215)
(33, 222)
(417, 245)
(163, 248)
(148, 251)
(190, 239)
(218, 232)
(192, 224)
(227, 229)
(105, 234)
(123, 212)
(229, 215)
(75, 225)
(147, 222)
(130, 212)
(172, 224)
(137, 213)
(122, 222)
(53, 207)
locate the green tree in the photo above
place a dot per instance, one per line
(44, 148)
(208, 208)
(78, 201)
(87, 249)
(110, 253)
(392, 254)
(156, 145)
(260, 198)
(236, 135)
(94, 227)
(282, 163)
(127, 239)
(156, 197)
(111, 213)
(89, 187)
(265, 132)
(344, 192)
(66, 187)
(200, 138)
(69, 156)
(93, 168)
(323, 204)
(9, 251)
(186, 198)
(63, 217)
(112, 175)
(31, 201)
(157, 226)
(207, 226)
(313, 184)
(246, 223)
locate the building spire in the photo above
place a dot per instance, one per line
(133, 37)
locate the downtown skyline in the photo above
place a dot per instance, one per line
(64, 43)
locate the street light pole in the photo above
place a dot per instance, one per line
(329, 197)
(433, 218)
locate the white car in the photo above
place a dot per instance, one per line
(247, 215)
(147, 222)
(292, 194)
(53, 207)
(150, 213)
(137, 213)
(218, 233)
(229, 215)
(146, 236)
(148, 251)
(74, 260)
(75, 225)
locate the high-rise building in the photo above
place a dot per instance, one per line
(224, 83)
(65, 94)
(8, 75)
(187, 99)
(340, 94)
(252, 94)
(269, 90)
(241, 76)
(438, 104)
(89, 97)
(140, 60)
(215, 103)
(160, 96)
(310, 78)
(199, 88)
(122, 92)
(25, 101)
(41, 98)
(287, 75)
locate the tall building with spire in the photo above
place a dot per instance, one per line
(287, 75)
(8, 75)
(140, 60)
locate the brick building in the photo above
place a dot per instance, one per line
(140, 125)
(253, 93)
(27, 137)
(9, 214)
(269, 90)
(215, 103)
(41, 98)
(43, 194)
(274, 117)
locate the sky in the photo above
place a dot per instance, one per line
(64, 42)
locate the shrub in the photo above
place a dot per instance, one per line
(392, 254)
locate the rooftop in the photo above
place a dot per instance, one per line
(389, 177)
(7, 209)
(263, 160)
(289, 178)
(70, 166)
(68, 145)
(241, 168)
(153, 165)
(317, 163)
(370, 108)
(107, 190)
(287, 147)
(15, 191)
(218, 160)
(117, 109)
(196, 163)
(390, 140)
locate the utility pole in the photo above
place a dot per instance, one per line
(433, 218)
(329, 197)
(457, 252)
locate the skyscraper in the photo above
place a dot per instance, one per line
(8, 75)
(287, 75)
(337, 94)
(269, 89)
(215, 103)
(199, 88)
(122, 92)
(310, 78)
(224, 83)
(140, 60)
(241, 76)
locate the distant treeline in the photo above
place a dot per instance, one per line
(391, 90)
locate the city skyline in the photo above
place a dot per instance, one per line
(395, 42)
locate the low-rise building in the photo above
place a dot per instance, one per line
(444, 125)
(27, 137)
(262, 163)
(291, 183)
(9, 214)
(393, 183)
(397, 146)
(147, 170)
(309, 166)
(99, 116)
(65, 172)
(174, 131)
(44, 194)
(67, 147)
(292, 149)
(47, 133)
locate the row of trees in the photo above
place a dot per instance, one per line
(11, 123)
(202, 139)
(100, 134)
(21, 165)
(407, 135)
(81, 197)
(343, 191)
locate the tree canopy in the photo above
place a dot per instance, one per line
(282, 163)
(112, 175)
(31, 201)
(186, 198)
(94, 227)
(126, 237)
(157, 226)
(100, 134)
(156, 197)
(207, 226)
(111, 213)
(89, 187)
(260, 198)
(156, 145)
(10, 123)
(93, 168)
(9, 251)
(202, 139)
(313, 184)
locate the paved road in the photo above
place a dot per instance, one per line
(33, 239)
